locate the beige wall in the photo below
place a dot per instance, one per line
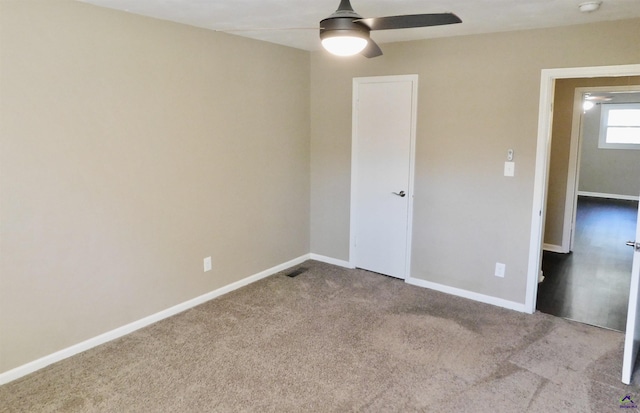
(560, 146)
(132, 148)
(609, 171)
(478, 97)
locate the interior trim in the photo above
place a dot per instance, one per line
(487, 299)
(332, 261)
(554, 248)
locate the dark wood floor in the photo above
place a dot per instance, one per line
(591, 284)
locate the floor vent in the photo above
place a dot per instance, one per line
(296, 272)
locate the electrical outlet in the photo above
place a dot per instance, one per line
(207, 264)
(509, 168)
(500, 269)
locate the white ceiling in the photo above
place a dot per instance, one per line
(269, 20)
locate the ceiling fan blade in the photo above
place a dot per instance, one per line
(372, 50)
(264, 29)
(410, 20)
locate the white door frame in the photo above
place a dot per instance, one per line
(354, 162)
(543, 152)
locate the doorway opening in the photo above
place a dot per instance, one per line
(548, 80)
(586, 265)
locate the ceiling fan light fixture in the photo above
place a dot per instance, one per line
(342, 36)
(346, 33)
(344, 45)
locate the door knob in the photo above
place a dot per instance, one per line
(401, 194)
(635, 245)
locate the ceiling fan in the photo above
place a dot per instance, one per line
(346, 33)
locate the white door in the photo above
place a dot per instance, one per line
(632, 335)
(384, 115)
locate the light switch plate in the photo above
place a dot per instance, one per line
(509, 169)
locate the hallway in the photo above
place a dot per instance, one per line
(590, 285)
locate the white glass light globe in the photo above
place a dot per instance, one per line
(344, 45)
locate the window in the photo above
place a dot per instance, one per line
(620, 126)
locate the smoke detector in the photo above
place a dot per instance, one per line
(589, 6)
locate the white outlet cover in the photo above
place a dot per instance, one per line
(207, 264)
(500, 269)
(509, 169)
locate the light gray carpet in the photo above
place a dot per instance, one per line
(337, 340)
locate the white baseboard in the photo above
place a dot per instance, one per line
(511, 305)
(554, 248)
(329, 260)
(40, 363)
(609, 196)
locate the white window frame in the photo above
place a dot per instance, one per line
(604, 124)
